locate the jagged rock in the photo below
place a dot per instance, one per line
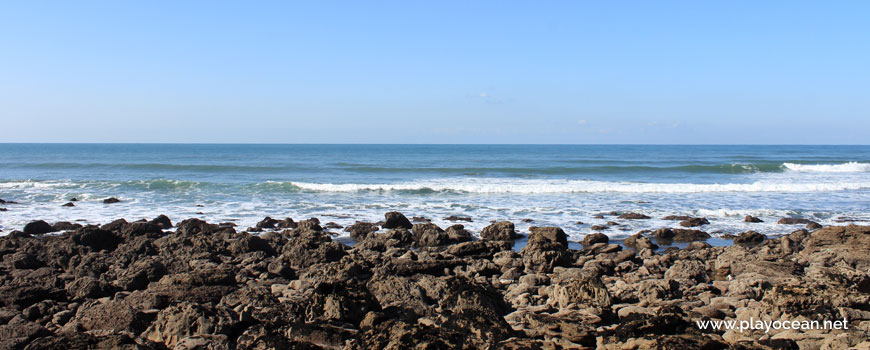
(361, 230)
(38, 227)
(749, 238)
(178, 322)
(793, 221)
(546, 249)
(633, 216)
(639, 242)
(429, 235)
(679, 235)
(458, 218)
(500, 231)
(594, 238)
(395, 219)
(694, 222)
(65, 226)
(163, 222)
(750, 218)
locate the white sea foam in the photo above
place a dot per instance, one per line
(850, 167)
(530, 186)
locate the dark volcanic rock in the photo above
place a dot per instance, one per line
(750, 218)
(749, 238)
(129, 285)
(111, 200)
(594, 238)
(458, 218)
(331, 225)
(793, 221)
(38, 227)
(500, 231)
(694, 222)
(639, 242)
(266, 224)
(286, 223)
(69, 204)
(96, 238)
(65, 226)
(813, 226)
(547, 248)
(633, 216)
(361, 230)
(163, 222)
(429, 235)
(679, 235)
(396, 219)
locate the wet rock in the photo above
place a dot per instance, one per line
(68, 204)
(163, 222)
(694, 222)
(287, 223)
(594, 238)
(395, 219)
(633, 216)
(750, 218)
(679, 235)
(66, 226)
(457, 234)
(793, 221)
(639, 242)
(749, 238)
(677, 217)
(96, 238)
(37, 228)
(813, 226)
(429, 235)
(331, 225)
(266, 224)
(458, 218)
(193, 227)
(361, 230)
(698, 245)
(546, 249)
(420, 219)
(111, 200)
(500, 231)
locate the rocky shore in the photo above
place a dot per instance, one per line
(288, 284)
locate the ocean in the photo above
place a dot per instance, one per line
(561, 185)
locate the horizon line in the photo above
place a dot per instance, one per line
(430, 144)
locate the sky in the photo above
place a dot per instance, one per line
(572, 72)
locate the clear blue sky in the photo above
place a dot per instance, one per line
(435, 72)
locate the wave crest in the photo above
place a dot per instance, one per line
(577, 186)
(850, 167)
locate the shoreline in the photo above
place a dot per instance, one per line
(195, 285)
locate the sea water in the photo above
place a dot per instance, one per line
(561, 185)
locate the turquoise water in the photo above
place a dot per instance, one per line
(551, 184)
